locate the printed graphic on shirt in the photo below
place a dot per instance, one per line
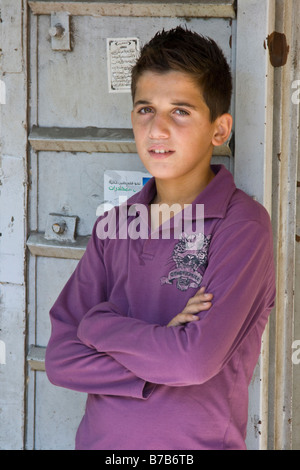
(190, 256)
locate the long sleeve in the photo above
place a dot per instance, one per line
(69, 362)
(240, 276)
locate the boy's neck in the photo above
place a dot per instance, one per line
(181, 192)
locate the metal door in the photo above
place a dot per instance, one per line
(65, 124)
(80, 128)
(53, 122)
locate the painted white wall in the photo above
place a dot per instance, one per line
(13, 188)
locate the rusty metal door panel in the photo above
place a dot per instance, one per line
(58, 411)
(78, 130)
(60, 123)
(296, 342)
(51, 273)
(58, 414)
(73, 184)
(73, 86)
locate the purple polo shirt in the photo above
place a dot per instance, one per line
(151, 386)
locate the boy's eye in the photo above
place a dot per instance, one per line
(149, 110)
(145, 110)
(181, 112)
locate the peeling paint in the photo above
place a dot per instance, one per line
(278, 49)
(2, 92)
(257, 424)
(2, 352)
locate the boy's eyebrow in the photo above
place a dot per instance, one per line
(184, 105)
(140, 102)
(179, 103)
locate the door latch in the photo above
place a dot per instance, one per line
(60, 31)
(61, 227)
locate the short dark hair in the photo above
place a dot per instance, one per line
(186, 51)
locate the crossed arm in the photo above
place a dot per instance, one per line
(91, 348)
(70, 362)
(200, 302)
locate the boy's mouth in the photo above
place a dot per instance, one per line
(160, 152)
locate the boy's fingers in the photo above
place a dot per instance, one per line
(200, 298)
(196, 307)
(196, 304)
(186, 317)
(182, 319)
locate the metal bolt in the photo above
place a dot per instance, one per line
(57, 31)
(59, 228)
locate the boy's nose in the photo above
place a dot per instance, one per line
(159, 128)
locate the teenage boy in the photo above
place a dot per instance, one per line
(165, 365)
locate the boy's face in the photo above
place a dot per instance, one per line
(171, 124)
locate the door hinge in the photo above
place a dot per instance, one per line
(60, 31)
(61, 227)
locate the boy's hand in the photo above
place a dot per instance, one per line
(200, 302)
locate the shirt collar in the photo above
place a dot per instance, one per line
(215, 197)
(217, 194)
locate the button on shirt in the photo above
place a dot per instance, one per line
(151, 386)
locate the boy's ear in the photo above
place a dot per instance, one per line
(223, 126)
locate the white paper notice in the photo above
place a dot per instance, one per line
(122, 54)
(121, 185)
